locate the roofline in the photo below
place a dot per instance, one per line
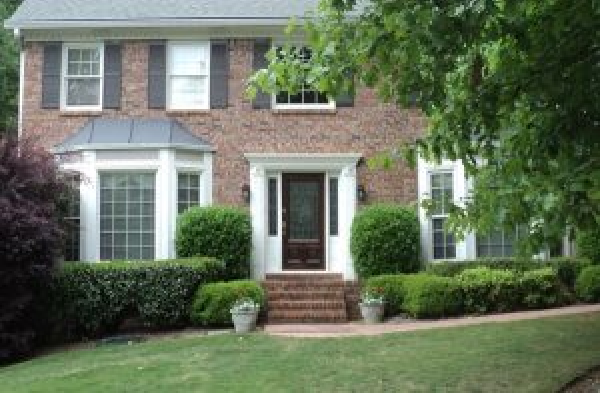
(130, 146)
(148, 22)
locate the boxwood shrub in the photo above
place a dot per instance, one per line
(218, 231)
(85, 300)
(428, 296)
(489, 290)
(542, 288)
(392, 287)
(587, 286)
(212, 302)
(385, 240)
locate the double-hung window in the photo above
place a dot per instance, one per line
(83, 65)
(188, 75)
(442, 194)
(307, 97)
(497, 243)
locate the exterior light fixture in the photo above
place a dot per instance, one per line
(246, 193)
(361, 193)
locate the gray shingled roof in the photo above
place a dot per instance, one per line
(48, 13)
(115, 134)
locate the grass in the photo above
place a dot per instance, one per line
(526, 356)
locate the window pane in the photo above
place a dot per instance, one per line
(121, 219)
(273, 201)
(188, 92)
(188, 191)
(82, 92)
(188, 60)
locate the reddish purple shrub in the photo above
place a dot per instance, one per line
(31, 188)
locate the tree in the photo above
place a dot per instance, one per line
(31, 192)
(9, 71)
(510, 88)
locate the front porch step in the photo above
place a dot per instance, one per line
(306, 316)
(333, 305)
(333, 294)
(311, 298)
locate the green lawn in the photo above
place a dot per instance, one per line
(527, 356)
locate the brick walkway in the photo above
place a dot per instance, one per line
(361, 329)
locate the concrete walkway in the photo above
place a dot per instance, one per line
(362, 329)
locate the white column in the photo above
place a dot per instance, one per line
(347, 208)
(259, 220)
(166, 184)
(89, 208)
(206, 186)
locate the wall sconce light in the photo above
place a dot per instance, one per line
(246, 193)
(361, 193)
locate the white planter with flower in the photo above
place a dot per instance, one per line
(372, 306)
(244, 314)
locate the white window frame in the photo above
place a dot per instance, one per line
(64, 76)
(443, 215)
(331, 105)
(170, 47)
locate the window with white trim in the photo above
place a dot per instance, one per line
(127, 215)
(442, 194)
(82, 76)
(188, 190)
(497, 243)
(307, 97)
(188, 75)
(72, 247)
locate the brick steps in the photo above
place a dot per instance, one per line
(310, 298)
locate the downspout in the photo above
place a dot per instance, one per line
(21, 83)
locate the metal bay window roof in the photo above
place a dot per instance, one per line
(117, 134)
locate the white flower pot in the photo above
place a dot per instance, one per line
(244, 321)
(371, 313)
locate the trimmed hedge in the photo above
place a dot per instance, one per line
(428, 296)
(392, 288)
(222, 232)
(588, 245)
(489, 290)
(542, 288)
(212, 302)
(385, 240)
(87, 300)
(567, 268)
(587, 286)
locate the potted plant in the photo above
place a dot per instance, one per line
(244, 313)
(371, 306)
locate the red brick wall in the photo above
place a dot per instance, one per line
(368, 128)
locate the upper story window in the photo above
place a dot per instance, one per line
(82, 76)
(307, 97)
(188, 75)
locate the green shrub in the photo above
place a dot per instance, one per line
(542, 288)
(92, 299)
(385, 240)
(567, 268)
(221, 232)
(587, 286)
(427, 296)
(488, 290)
(392, 288)
(212, 302)
(588, 245)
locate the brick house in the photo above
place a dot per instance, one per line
(146, 99)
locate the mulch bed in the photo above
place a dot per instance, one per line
(586, 383)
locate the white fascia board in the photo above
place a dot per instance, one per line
(316, 161)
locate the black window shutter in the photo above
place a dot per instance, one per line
(219, 74)
(157, 75)
(261, 47)
(112, 76)
(51, 75)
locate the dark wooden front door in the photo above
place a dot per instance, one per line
(303, 221)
